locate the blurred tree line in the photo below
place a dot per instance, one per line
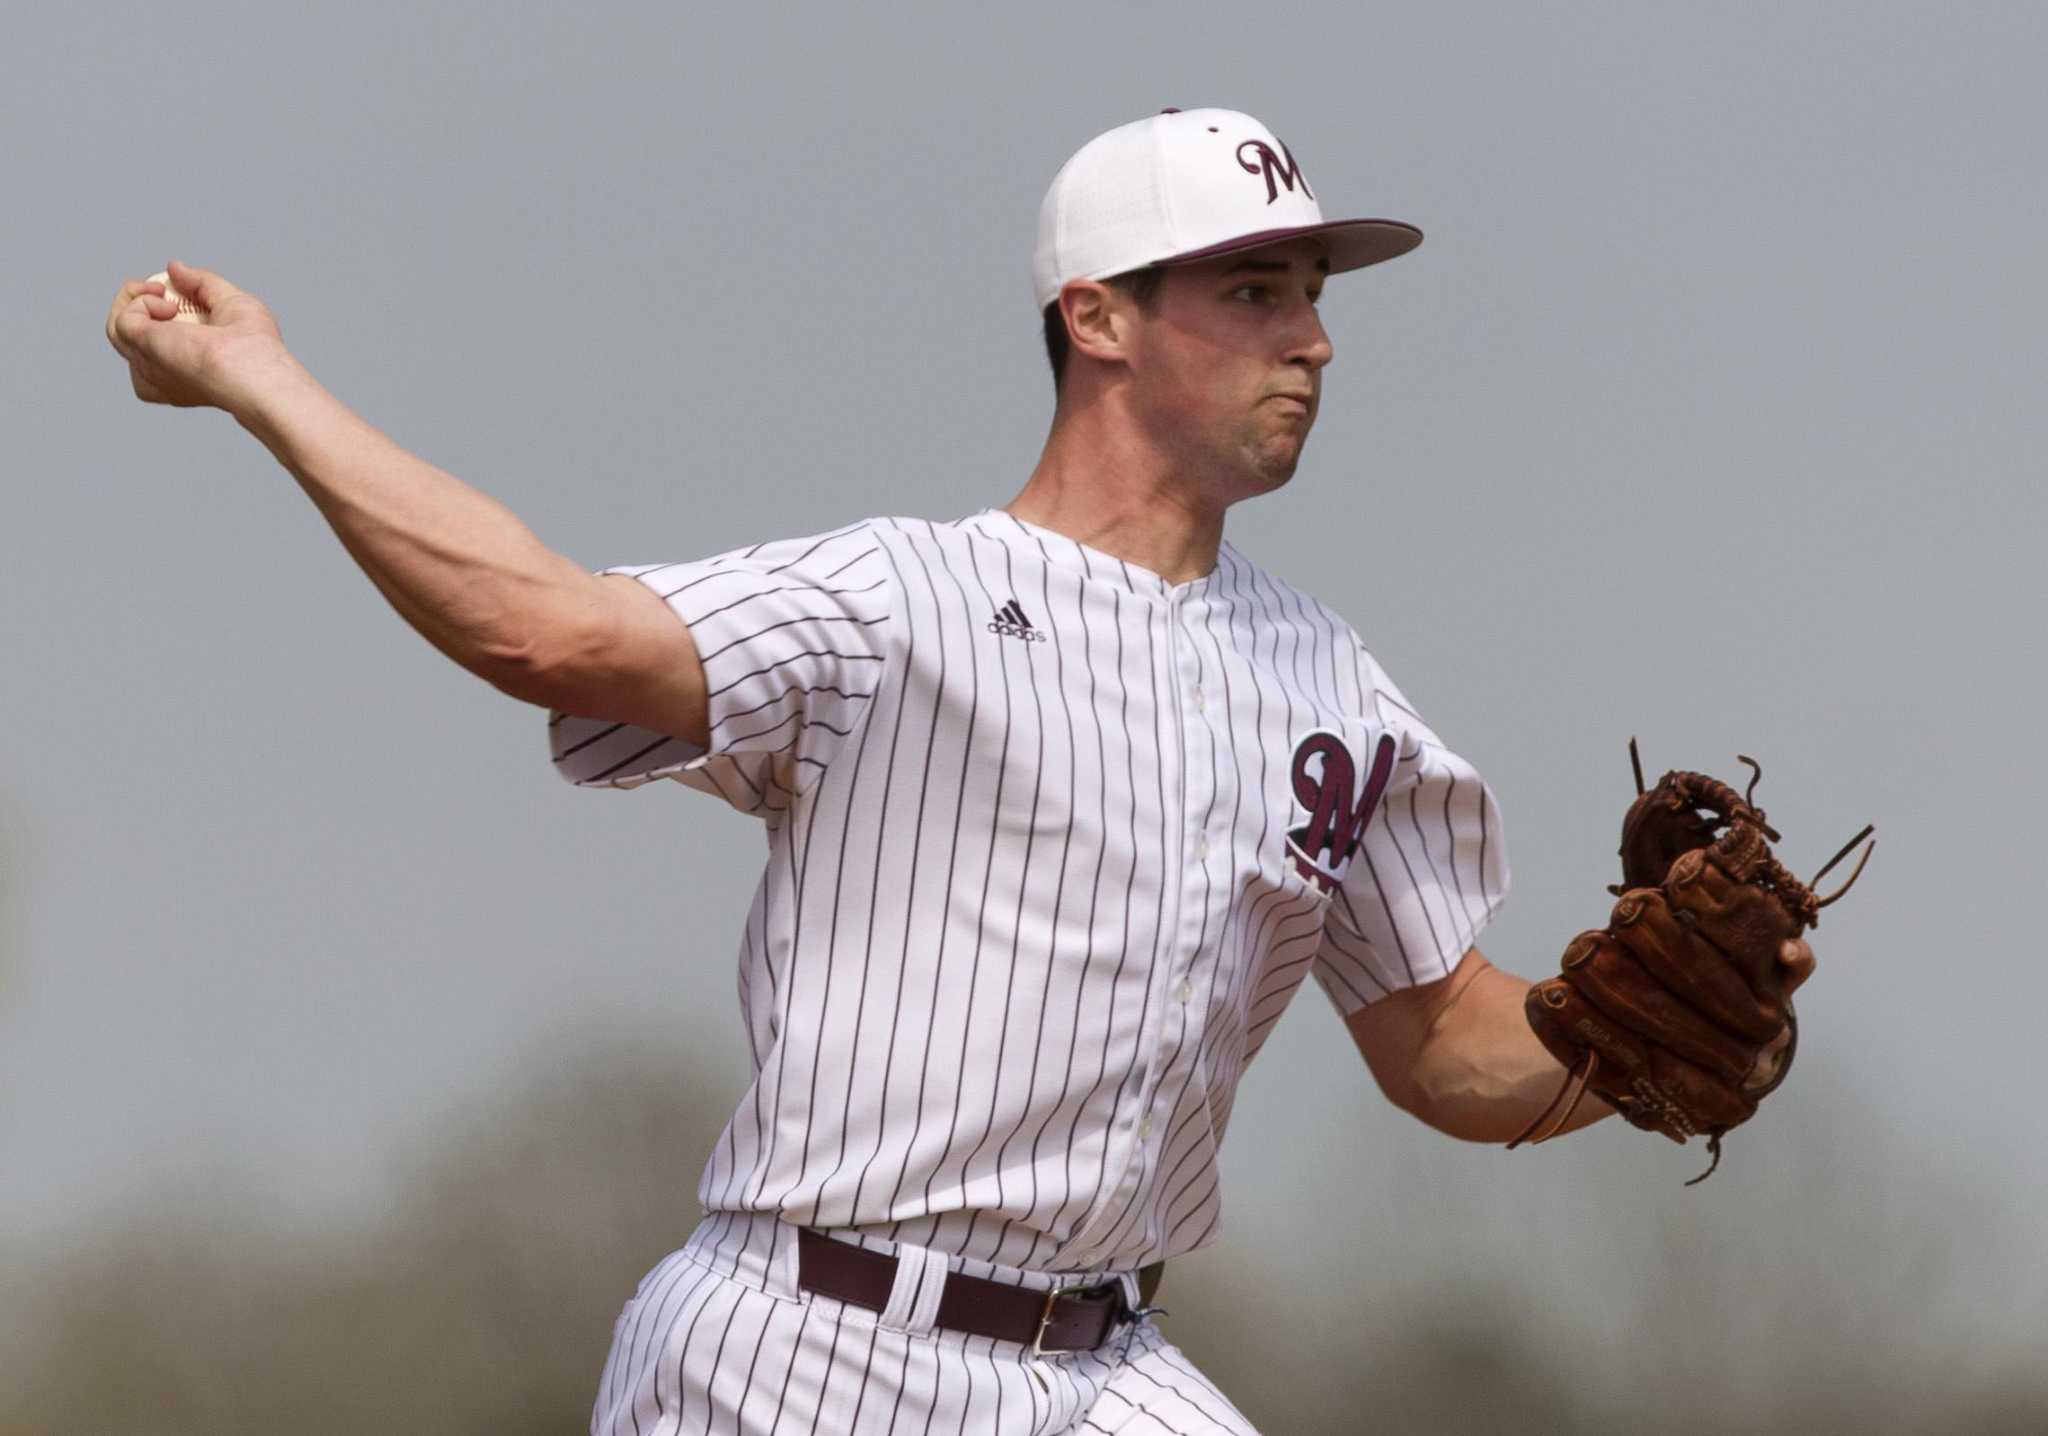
(482, 1301)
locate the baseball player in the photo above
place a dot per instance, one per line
(1062, 800)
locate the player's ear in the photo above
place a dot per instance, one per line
(1097, 324)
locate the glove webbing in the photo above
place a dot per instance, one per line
(1698, 790)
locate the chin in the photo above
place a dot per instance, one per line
(1259, 464)
(1266, 478)
(1272, 470)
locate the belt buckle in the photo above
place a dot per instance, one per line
(1052, 1296)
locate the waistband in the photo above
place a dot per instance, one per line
(760, 1250)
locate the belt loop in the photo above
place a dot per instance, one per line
(780, 1278)
(914, 1295)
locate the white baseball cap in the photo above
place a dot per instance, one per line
(1186, 185)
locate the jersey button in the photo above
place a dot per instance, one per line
(1145, 1127)
(1201, 699)
(1202, 846)
(1187, 991)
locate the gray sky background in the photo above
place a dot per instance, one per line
(1708, 411)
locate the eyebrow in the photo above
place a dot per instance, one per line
(1270, 266)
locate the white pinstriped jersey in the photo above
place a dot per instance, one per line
(1051, 844)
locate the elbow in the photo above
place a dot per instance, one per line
(530, 672)
(1456, 1099)
(547, 650)
(1428, 1096)
(1399, 1085)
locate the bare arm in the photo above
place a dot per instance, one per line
(455, 563)
(1459, 1055)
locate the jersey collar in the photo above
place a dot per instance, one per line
(1061, 551)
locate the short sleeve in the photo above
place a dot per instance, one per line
(794, 638)
(1430, 871)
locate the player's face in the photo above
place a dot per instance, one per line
(1229, 375)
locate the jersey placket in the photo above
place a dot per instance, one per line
(1190, 788)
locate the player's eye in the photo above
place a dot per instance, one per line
(1258, 290)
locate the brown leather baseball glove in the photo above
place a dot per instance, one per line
(1676, 1012)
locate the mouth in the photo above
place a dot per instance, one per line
(1300, 403)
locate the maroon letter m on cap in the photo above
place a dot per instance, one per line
(1278, 169)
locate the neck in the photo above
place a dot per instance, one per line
(1099, 483)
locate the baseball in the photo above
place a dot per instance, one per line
(188, 312)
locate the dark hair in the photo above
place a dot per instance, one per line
(1141, 284)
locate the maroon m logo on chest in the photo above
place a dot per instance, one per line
(1325, 782)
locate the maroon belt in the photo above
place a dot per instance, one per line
(1077, 1320)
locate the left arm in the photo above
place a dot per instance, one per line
(1459, 1055)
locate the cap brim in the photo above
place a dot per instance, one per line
(1353, 243)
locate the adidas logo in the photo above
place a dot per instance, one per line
(1010, 622)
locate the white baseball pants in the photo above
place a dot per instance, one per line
(719, 1339)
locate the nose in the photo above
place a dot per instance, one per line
(1311, 342)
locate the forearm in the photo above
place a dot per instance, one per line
(456, 564)
(1480, 1073)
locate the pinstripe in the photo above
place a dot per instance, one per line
(832, 653)
(889, 789)
(1421, 897)
(940, 1351)
(717, 1358)
(1238, 921)
(902, 1386)
(789, 860)
(683, 1388)
(967, 735)
(824, 1379)
(1024, 863)
(1058, 1221)
(1116, 1176)
(757, 594)
(656, 1338)
(1163, 1210)
(1038, 1049)
(1066, 1071)
(1379, 895)
(789, 1369)
(980, 929)
(615, 1389)
(1436, 876)
(814, 546)
(1268, 615)
(840, 850)
(985, 890)
(866, 1376)
(915, 868)
(1451, 840)
(793, 691)
(967, 1373)
(758, 634)
(1202, 1416)
(1240, 972)
(1058, 905)
(747, 1387)
(643, 1384)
